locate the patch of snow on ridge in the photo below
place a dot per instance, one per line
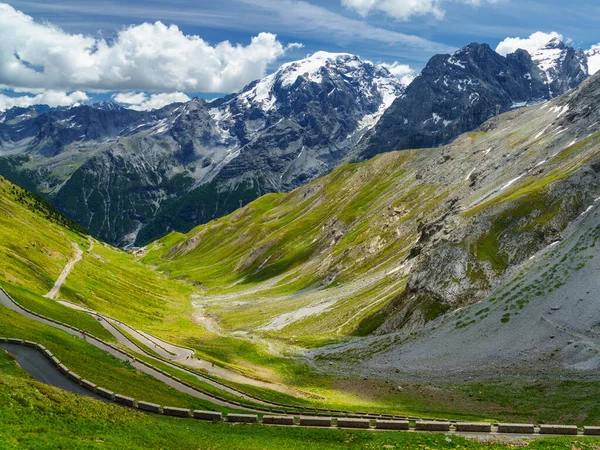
(593, 57)
(587, 210)
(456, 62)
(511, 182)
(564, 110)
(541, 133)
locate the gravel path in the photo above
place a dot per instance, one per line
(65, 273)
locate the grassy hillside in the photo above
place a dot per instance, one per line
(396, 241)
(36, 416)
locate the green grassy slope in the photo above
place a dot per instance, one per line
(36, 416)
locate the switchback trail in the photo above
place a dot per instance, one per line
(8, 303)
(181, 355)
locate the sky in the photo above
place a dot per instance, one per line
(148, 53)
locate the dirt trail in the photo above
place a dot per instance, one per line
(65, 273)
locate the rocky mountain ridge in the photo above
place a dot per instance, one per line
(127, 174)
(132, 176)
(457, 93)
(405, 239)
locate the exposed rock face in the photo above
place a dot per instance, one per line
(457, 93)
(461, 257)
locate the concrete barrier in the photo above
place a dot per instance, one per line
(208, 415)
(516, 428)
(473, 427)
(278, 420)
(176, 412)
(105, 393)
(63, 368)
(315, 421)
(14, 341)
(428, 425)
(73, 376)
(383, 424)
(88, 385)
(150, 407)
(559, 429)
(242, 418)
(3, 339)
(30, 344)
(353, 423)
(591, 431)
(55, 361)
(127, 401)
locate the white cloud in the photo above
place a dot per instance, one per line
(405, 9)
(303, 17)
(532, 44)
(141, 101)
(50, 98)
(403, 72)
(151, 57)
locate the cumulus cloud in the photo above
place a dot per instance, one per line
(404, 9)
(141, 101)
(50, 98)
(403, 72)
(150, 57)
(532, 44)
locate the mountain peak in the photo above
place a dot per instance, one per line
(311, 66)
(107, 105)
(555, 43)
(341, 69)
(593, 58)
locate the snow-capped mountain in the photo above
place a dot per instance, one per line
(131, 176)
(563, 66)
(107, 105)
(457, 93)
(593, 59)
(369, 81)
(128, 175)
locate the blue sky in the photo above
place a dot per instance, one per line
(383, 33)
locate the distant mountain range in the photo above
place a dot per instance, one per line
(132, 176)
(457, 93)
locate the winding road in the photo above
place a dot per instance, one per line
(8, 303)
(39, 367)
(182, 355)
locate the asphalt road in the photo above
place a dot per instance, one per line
(40, 368)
